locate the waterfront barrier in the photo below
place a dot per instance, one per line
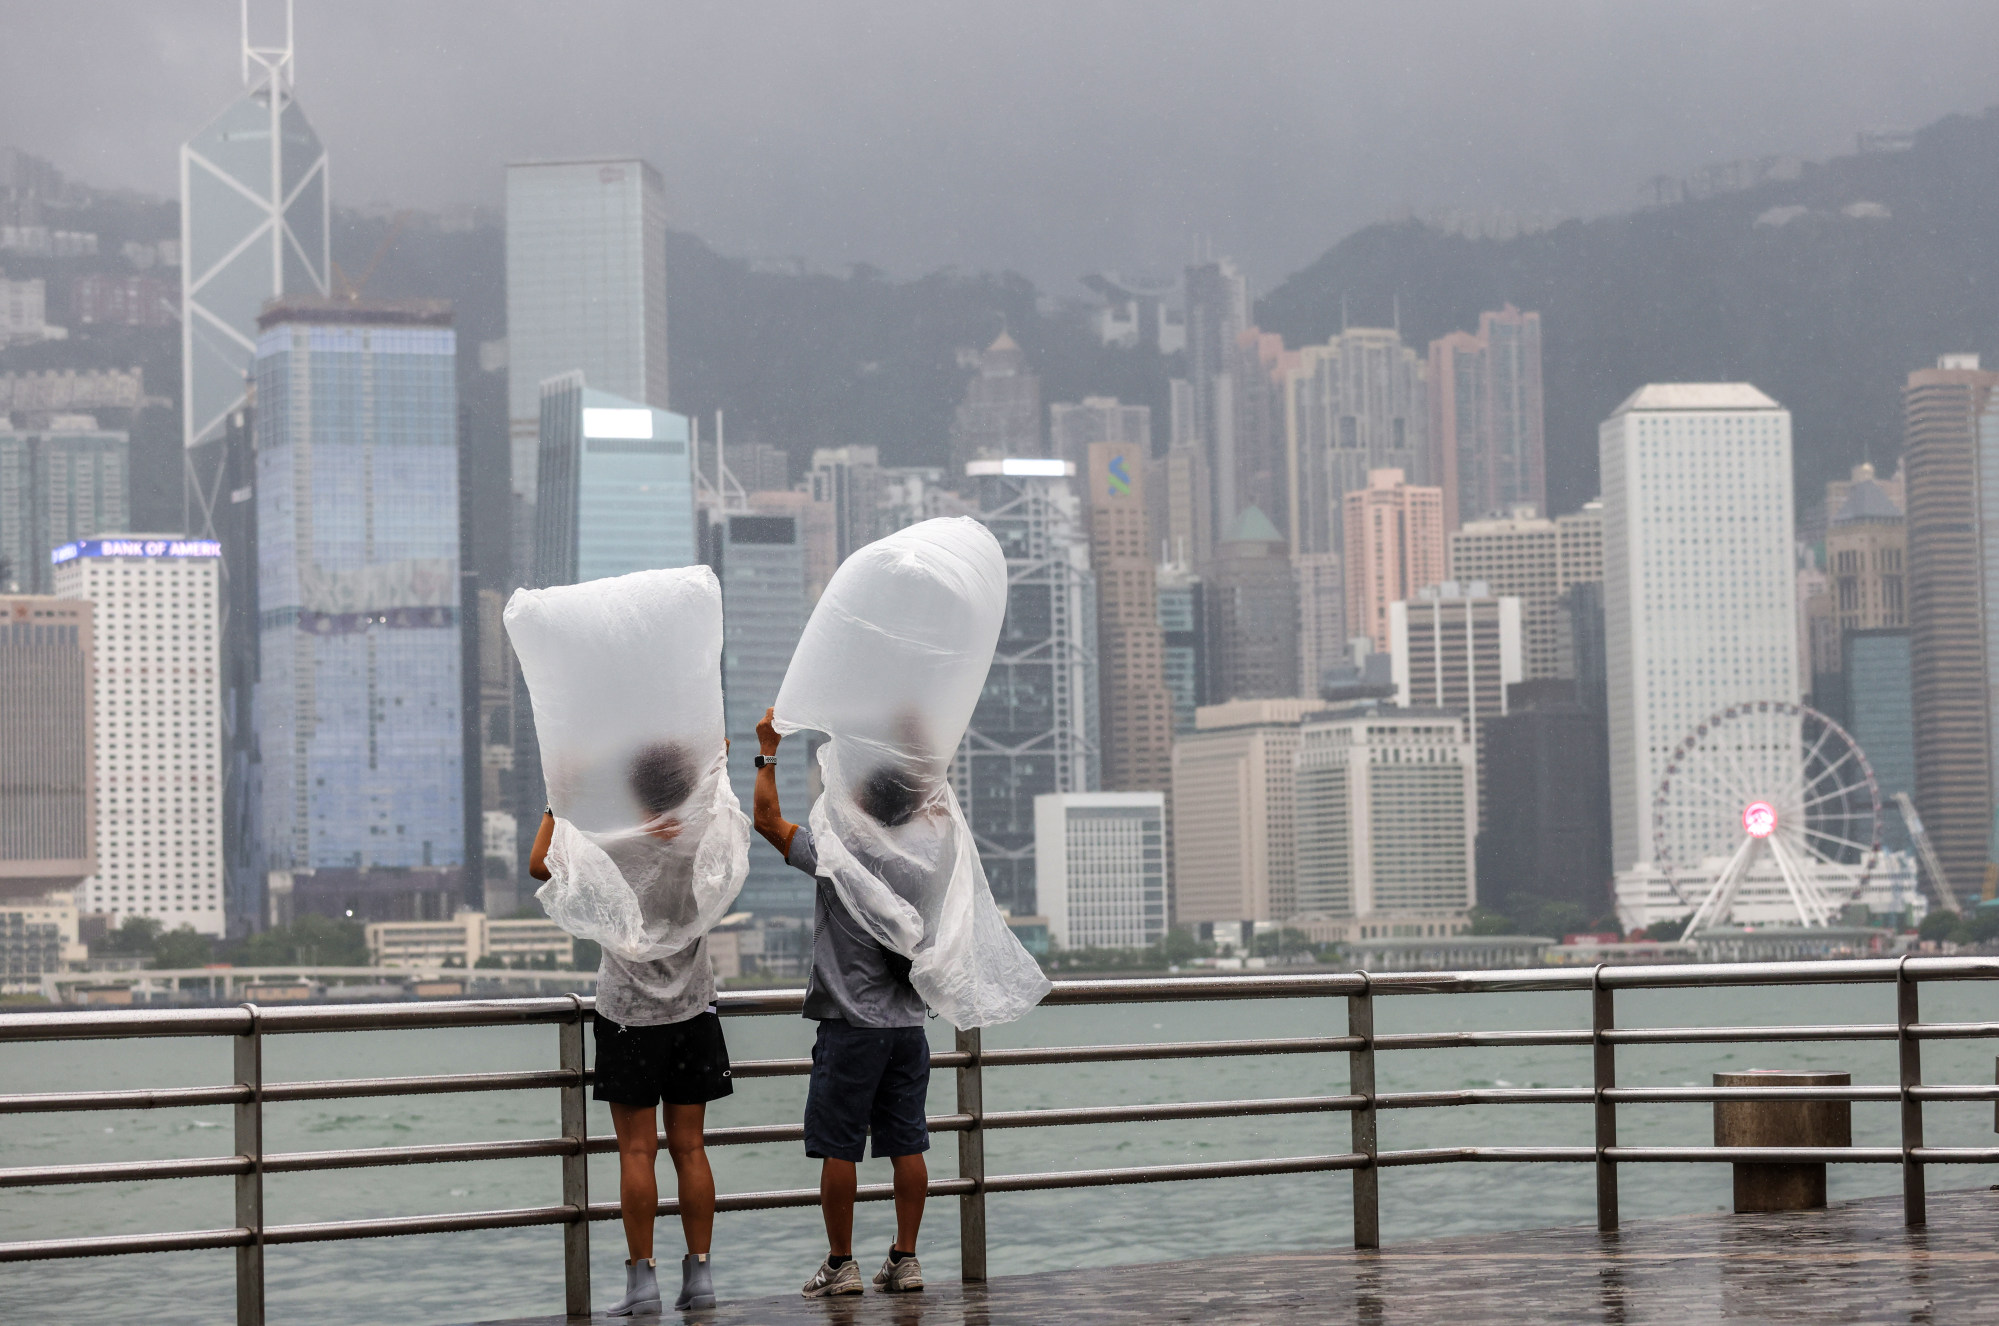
(248, 1094)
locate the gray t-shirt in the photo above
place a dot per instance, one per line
(851, 980)
(649, 994)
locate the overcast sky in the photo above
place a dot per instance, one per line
(1054, 137)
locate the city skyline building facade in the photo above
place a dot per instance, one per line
(1135, 709)
(1950, 470)
(586, 292)
(1878, 709)
(615, 486)
(1100, 868)
(48, 761)
(1000, 413)
(1356, 404)
(1698, 588)
(1217, 316)
(1234, 853)
(1384, 815)
(1035, 729)
(65, 481)
(1535, 560)
(1394, 547)
(1487, 431)
(1075, 426)
(1184, 642)
(1252, 614)
(358, 700)
(1322, 617)
(852, 482)
(1545, 807)
(157, 744)
(1457, 647)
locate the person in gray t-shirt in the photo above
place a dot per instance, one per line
(870, 1060)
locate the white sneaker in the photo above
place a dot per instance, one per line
(899, 1277)
(826, 1282)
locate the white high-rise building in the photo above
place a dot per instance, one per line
(1100, 867)
(1698, 584)
(158, 739)
(1535, 560)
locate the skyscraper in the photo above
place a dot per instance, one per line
(851, 481)
(1322, 616)
(1182, 499)
(1184, 637)
(1864, 586)
(1394, 547)
(253, 226)
(615, 486)
(1697, 584)
(357, 524)
(1035, 729)
(158, 740)
(1881, 716)
(48, 774)
(1457, 647)
(586, 291)
(1217, 314)
(1950, 467)
(1234, 857)
(58, 483)
(1250, 459)
(1000, 415)
(1353, 405)
(1535, 560)
(1252, 614)
(1486, 429)
(1545, 808)
(761, 560)
(1135, 708)
(1100, 867)
(1384, 813)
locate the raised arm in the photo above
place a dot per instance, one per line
(538, 854)
(766, 814)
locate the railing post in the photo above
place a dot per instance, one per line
(1915, 1203)
(575, 1166)
(1360, 1082)
(250, 1186)
(1602, 1018)
(972, 1162)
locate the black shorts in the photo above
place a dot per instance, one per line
(680, 1063)
(867, 1080)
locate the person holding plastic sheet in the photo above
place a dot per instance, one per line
(643, 848)
(889, 668)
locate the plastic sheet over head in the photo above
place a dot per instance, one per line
(650, 845)
(890, 667)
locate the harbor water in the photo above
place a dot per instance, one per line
(424, 1281)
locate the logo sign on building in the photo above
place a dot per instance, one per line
(69, 552)
(1120, 477)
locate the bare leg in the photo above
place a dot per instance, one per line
(695, 1181)
(912, 1185)
(837, 1182)
(638, 1185)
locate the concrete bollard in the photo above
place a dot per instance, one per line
(1761, 1187)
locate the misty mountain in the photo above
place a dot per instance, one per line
(1825, 290)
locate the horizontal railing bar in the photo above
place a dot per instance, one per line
(1092, 1054)
(1757, 1155)
(1953, 1031)
(455, 1222)
(1699, 1095)
(1420, 1100)
(42, 1102)
(106, 1024)
(1445, 1155)
(1471, 1040)
(1955, 1093)
(441, 1084)
(1956, 1155)
(118, 1245)
(293, 1019)
(294, 1162)
(192, 1167)
(1214, 1169)
(1198, 1109)
(1860, 1031)
(1174, 989)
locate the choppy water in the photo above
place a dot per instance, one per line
(463, 1277)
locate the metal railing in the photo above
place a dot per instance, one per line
(248, 1025)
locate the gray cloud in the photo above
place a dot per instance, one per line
(1050, 136)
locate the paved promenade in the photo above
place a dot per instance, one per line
(1854, 1262)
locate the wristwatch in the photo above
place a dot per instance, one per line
(766, 761)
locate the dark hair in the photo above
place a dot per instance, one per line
(661, 776)
(892, 795)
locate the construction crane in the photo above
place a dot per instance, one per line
(350, 290)
(1945, 894)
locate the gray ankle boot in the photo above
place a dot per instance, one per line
(641, 1289)
(697, 1286)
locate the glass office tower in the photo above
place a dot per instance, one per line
(61, 483)
(357, 702)
(615, 486)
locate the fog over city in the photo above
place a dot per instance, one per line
(1047, 137)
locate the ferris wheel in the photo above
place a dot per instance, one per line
(1766, 778)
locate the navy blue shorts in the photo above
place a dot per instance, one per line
(867, 1079)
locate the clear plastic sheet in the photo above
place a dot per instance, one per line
(890, 667)
(650, 845)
